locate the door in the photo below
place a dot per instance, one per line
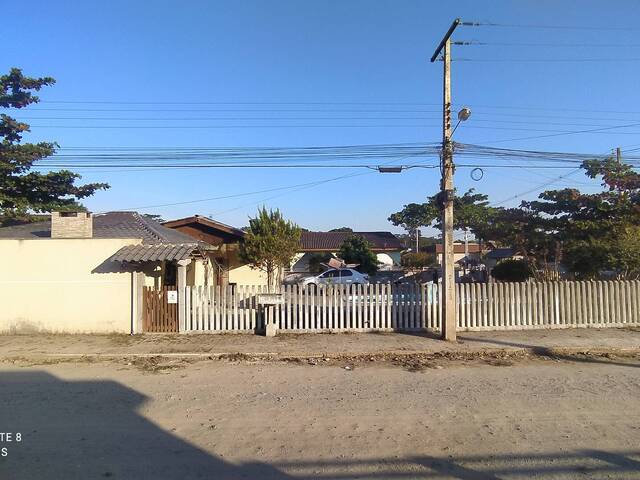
(344, 277)
(160, 314)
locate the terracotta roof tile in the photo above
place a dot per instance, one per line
(331, 241)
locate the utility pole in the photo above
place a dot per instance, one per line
(447, 193)
(619, 155)
(417, 240)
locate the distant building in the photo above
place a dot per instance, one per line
(385, 245)
(458, 251)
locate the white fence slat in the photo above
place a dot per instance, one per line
(411, 307)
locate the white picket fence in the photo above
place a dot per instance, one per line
(387, 307)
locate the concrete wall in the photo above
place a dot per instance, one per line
(48, 285)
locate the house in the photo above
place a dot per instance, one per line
(474, 250)
(224, 242)
(385, 245)
(79, 272)
(224, 245)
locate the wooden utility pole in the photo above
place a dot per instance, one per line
(447, 194)
(619, 155)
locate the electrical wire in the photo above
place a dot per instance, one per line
(539, 187)
(551, 27)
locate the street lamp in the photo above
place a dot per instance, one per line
(463, 116)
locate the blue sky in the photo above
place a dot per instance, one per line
(323, 58)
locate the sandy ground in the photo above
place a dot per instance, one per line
(219, 419)
(315, 344)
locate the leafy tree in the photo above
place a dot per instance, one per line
(316, 260)
(270, 244)
(413, 216)
(23, 192)
(342, 229)
(470, 210)
(595, 232)
(416, 261)
(154, 217)
(356, 249)
(512, 271)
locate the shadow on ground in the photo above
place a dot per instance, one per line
(93, 430)
(555, 353)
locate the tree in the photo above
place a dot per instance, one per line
(356, 249)
(471, 210)
(23, 192)
(316, 260)
(512, 271)
(342, 229)
(413, 216)
(417, 261)
(154, 217)
(595, 232)
(270, 244)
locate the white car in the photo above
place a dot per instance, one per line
(343, 276)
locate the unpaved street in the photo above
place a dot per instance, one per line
(269, 420)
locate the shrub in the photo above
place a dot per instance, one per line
(512, 271)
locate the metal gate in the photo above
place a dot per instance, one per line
(159, 314)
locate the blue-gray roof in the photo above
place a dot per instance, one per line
(108, 225)
(500, 253)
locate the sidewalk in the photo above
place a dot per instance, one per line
(317, 345)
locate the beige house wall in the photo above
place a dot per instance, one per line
(245, 275)
(51, 285)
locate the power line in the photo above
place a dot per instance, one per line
(547, 60)
(190, 119)
(552, 27)
(156, 102)
(244, 194)
(560, 45)
(575, 132)
(539, 187)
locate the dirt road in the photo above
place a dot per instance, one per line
(225, 420)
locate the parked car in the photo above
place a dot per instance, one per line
(344, 276)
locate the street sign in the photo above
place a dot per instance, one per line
(172, 296)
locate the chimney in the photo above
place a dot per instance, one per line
(71, 225)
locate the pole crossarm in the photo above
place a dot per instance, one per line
(446, 37)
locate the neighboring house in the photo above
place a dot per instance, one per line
(385, 245)
(474, 250)
(80, 272)
(224, 244)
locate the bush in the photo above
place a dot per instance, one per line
(316, 260)
(417, 261)
(512, 271)
(356, 249)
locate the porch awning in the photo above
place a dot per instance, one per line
(155, 252)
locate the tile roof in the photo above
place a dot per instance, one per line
(498, 253)
(331, 241)
(108, 225)
(154, 252)
(207, 222)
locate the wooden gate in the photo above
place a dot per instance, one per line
(159, 314)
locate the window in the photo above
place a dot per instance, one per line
(346, 273)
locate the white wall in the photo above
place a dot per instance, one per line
(49, 285)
